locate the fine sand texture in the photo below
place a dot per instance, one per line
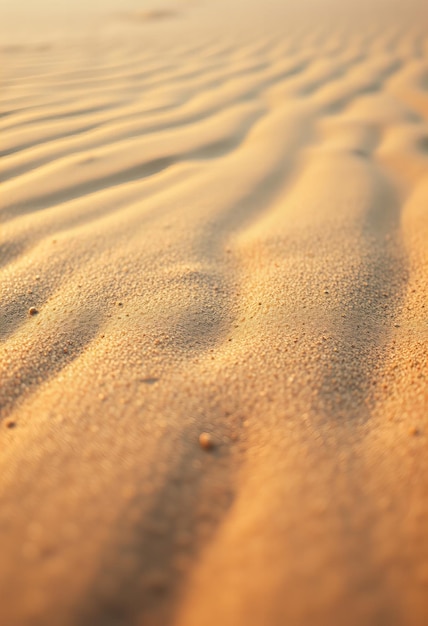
(214, 314)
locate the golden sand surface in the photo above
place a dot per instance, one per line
(214, 314)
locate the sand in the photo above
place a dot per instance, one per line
(214, 320)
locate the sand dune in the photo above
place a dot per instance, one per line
(220, 218)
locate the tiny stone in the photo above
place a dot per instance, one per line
(206, 441)
(10, 423)
(413, 431)
(32, 310)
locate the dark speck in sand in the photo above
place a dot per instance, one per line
(206, 441)
(154, 15)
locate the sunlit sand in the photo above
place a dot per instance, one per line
(214, 270)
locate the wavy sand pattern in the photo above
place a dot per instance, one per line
(225, 234)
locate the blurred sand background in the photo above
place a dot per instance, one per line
(217, 214)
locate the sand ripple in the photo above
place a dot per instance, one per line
(226, 237)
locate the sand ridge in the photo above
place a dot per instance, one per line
(221, 235)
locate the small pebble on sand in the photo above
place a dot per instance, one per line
(10, 423)
(206, 441)
(32, 310)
